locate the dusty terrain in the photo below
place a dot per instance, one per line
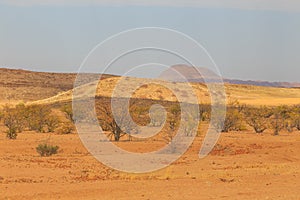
(242, 166)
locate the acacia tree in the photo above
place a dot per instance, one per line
(295, 117)
(157, 117)
(189, 126)
(190, 118)
(234, 116)
(277, 120)
(173, 118)
(13, 120)
(233, 120)
(277, 124)
(118, 122)
(258, 118)
(37, 117)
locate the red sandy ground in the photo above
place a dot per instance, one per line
(243, 165)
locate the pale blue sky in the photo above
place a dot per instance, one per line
(258, 44)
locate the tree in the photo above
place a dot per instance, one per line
(233, 120)
(37, 117)
(258, 118)
(278, 119)
(1, 115)
(52, 123)
(191, 118)
(66, 128)
(157, 116)
(67, 109)
(118, 122)
(13, 120)
(173, 118)
(295, 117)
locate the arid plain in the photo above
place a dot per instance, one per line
(243, 164)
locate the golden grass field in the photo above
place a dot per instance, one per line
(243, 165)
(245, 94)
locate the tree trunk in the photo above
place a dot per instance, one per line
(117, 133)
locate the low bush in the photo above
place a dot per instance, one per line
(46, 150)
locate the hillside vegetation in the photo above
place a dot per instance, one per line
(245, 94)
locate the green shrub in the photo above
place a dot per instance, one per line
(46, 150)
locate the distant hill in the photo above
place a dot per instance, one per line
(183, 73)
(18, 85)
(263, 83)
(27, 86)
(245, 94)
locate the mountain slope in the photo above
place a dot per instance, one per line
(24, 86)
(41, 87)
(246, 94)
(183, 73)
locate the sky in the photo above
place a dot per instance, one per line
(250, 39)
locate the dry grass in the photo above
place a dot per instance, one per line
(158, 90)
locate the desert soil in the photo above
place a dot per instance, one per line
(243, 165)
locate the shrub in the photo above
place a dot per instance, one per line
(66, 128)
(11, 133)
(46, 150)
(288, 125)
(233, 121)
(52, 123)
(67, 109)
